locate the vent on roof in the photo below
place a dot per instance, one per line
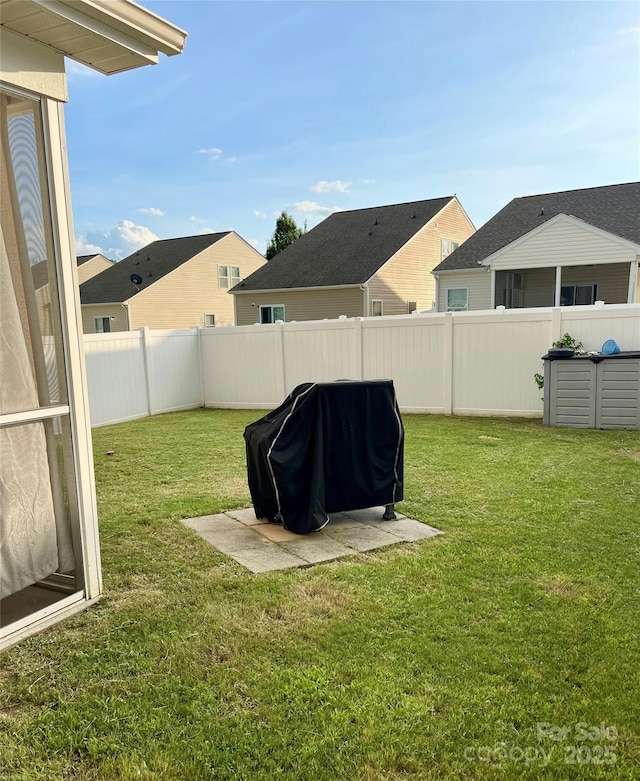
(542, 212)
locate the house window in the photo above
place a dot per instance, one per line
(271, 313)
(102, 325)
(578, 295)
(457, 299)
(412, 306)
(447, 246)
(376, 308)
(228, 276)
(209, 321)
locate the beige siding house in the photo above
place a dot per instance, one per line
(558, 249)
(171, 283)
(360, 263)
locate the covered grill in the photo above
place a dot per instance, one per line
(329, 447)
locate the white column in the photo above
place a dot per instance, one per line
(493, 288)
(556, 300)
(633, 277)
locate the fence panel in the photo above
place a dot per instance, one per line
(320, 352)
(242, 367)
(495, 356)
(410, 351)
(173, 369)
(593, 326)
(115, 377)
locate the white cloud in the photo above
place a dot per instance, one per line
(327, 187)
(202, 231)
(368, 181)
(135, 235)
(212, 152)
(193, 218)
(152, 210)
(262, 215)
(311, 207)
(629, 31)
(87, 248)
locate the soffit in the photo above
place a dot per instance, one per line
(108, 35)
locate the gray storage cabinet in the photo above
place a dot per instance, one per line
(592, 391)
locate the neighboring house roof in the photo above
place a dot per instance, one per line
(40, 272)
(151, 263)
(346, 248)
(613, 208)
(80, 259)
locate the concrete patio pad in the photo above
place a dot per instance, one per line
(261, 546)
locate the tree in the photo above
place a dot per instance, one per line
(286, 233)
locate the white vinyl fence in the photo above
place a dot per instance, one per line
(468, 363)
(137, 373)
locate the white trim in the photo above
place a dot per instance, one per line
(566, 218)
(633, 276)
(446, 298)
(376, 301)
(67, 269)
(42, 619)
(558, 288)
(493, 288)
(272, 306)
(30, 416)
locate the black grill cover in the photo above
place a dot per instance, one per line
(328, 447)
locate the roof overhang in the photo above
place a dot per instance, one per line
(568, 219)
(458, 270)
(255, 291)
(108, 35)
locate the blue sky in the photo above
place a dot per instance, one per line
(314, 107)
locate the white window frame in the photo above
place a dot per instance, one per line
(77, 408)
(234, 276)
(101, 319)
(272, 307)
(223, 277)
(375, 301)
(447, 246)
(412, 306)
(209, 320)
(449, 308)
(592, 285)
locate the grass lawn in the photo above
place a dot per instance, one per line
(429, 660)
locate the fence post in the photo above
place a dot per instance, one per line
(146, 360)
(448, 363)
(280, 353)
(359, 349)
(198, 330)
(556, 325)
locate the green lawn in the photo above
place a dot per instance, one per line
(429, 660)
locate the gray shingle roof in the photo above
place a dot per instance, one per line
(345, 249)
(80, 259)
(613, 208)
(152, 262)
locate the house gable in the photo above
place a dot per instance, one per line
(563, 241)
(182, 297)
(406, 276)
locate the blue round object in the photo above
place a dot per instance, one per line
(610, 348)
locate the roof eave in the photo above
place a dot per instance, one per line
(136, 34)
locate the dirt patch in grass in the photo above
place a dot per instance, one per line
(626, 452)
(559, 587)
(313, 600)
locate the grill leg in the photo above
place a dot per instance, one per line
(389, 514)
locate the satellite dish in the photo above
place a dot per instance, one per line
(136, 279)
